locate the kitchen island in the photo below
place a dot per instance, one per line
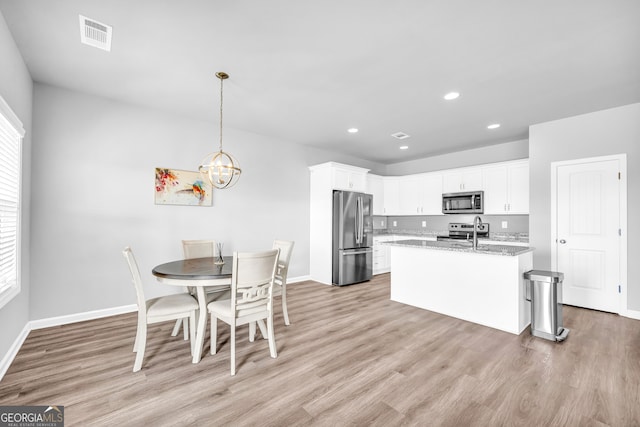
(484, 286)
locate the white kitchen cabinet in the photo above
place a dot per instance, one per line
(324, 178)
(457, 180)
(410, 199)
(381, 258)
(420, 194)
(518, 177)
(375, 186)
(391, 187)
(506, 188)
(348, 178)
(432, 193)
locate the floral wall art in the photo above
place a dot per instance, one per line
(179, 187)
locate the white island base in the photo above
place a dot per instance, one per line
(487, 289)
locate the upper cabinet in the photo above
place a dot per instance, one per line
(344, 177)
(457, 180)
(350, 179)
(375, 186)
(391, 185)
(420, 194)
(506, 188)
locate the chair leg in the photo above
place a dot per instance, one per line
(176, 328)
(252, 331)
(272, 337)
(214, 334)
(185, 327)
(233, 349)
(136, 343)
(285, 313)
(263, 329)
(192, 331)
(137, 340)
(141, 344)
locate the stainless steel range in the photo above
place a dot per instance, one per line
(464, 231)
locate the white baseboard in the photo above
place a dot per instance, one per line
(13, 350)
(633, 314)
(298, 279)
(81, 317)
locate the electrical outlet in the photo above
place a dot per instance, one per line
(505, 224)
(424, 223)
(395, 223)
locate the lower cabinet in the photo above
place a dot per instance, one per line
(382, 252)
(381, 257)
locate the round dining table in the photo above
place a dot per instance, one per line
(197, 273)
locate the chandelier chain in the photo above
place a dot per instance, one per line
(221, 83)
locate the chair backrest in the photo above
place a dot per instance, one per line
(198, 248)
(252, 281)
(135, 276)
(286, 248)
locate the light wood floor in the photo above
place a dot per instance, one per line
(350, 357)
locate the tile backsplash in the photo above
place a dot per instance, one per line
(379, 222)
(514, 223)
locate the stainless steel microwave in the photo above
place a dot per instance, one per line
(460, 203)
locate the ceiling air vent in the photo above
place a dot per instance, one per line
(400, 135)
(94, 33)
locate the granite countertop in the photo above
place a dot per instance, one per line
(503, 250)
(498, 237)
(399, 232)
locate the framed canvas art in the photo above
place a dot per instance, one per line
(179, 187)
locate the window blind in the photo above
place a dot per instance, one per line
(11, 133)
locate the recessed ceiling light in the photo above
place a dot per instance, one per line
(451, 95)
(494, 126)
(352, 130)
(404, 147)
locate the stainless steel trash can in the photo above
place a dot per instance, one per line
(544, 290)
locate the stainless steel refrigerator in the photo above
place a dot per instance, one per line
(352, 237)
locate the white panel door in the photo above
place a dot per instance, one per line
(588, 243)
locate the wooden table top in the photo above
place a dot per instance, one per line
(194, 269)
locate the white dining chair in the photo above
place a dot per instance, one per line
(251, 298)
(156, 310)
(280, 285)
(280, 288)
(198, 248)
(195, 249)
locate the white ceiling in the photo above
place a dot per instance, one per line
(306, 71)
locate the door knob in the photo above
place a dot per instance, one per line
(562, 241)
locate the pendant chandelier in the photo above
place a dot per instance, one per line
(221, 169)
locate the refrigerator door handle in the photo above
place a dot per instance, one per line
(366, 251)
(361, 220)
(357, 219)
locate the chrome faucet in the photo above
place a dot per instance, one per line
(475, 231)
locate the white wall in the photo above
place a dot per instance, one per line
(17, 89)
(495, 153)
(612, 131)
(93, 193)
